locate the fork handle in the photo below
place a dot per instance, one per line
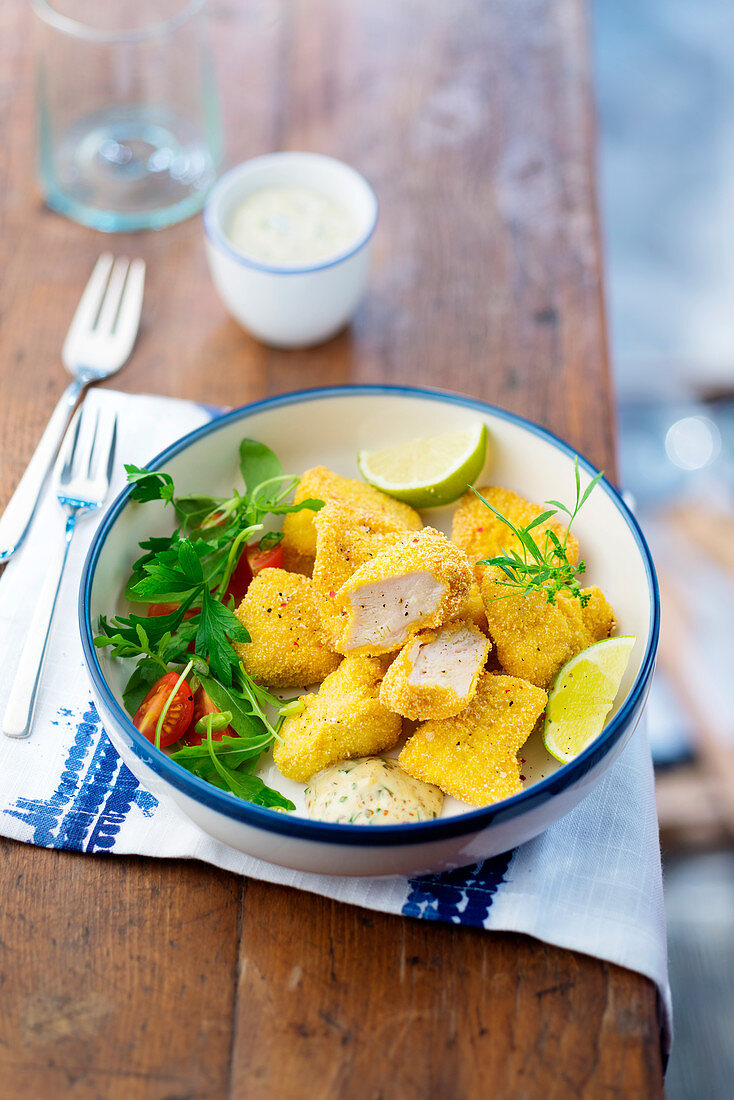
(21, 508)
(18, 718)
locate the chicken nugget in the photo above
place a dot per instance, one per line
(419, 583)
(345, 719)
(436, 674)
(473, 610)
(288, 646)
(320, 483)
(534, 638)
(474, 755)
(481, 535)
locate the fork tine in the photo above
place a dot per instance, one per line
(70, 451)
(113, 296)
(112, 451)
(89, 453)
(81, 458)
(128, 317)
(88, 309)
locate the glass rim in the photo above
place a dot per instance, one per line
(46, 11)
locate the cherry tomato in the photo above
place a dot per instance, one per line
(203, 706)
(155, 609)
(240, 579)
(272, 558)
(178, 716)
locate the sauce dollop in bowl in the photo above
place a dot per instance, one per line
(288, 239)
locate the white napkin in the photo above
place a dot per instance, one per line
(590, 883)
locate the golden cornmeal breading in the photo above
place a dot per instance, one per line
(473, 610)
(533, 638)
(418, 583)
(473, 756)
(436, 674)
(288, 646)
(481, 535)
(320, 483)
(346, 538)
(343, 720)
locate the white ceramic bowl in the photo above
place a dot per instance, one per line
(294, 305)
(328, 427)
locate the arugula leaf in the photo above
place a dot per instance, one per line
(145, 674)
(195, 509)
(248, 787)
(258, 464)
(244, 719)
(310, 505)
(234, 751)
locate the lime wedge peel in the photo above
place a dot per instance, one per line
(582, 695)
(429, 472)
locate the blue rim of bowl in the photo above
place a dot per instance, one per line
(471, 822)
(217, 236)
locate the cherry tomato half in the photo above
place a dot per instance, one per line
(155, 609)
(271, 558)
(240, 579)
(178, 716)
(203, 706)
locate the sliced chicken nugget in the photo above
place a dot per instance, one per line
(436, 674)
(419, 583)
(345, 719)
(473, 756)
(534, 638)
(347, 538)
(288, 646)
(320, 483)
(481, 535)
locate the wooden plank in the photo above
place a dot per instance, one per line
(117, 976)
(347, 1003)
(140, 978)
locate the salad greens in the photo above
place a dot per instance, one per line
(190, 572)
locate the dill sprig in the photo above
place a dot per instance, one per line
(545, 566)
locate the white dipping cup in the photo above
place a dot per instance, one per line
(295, 305)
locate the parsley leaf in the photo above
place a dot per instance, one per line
(218, 626)
(148, 485)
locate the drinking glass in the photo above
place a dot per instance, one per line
(129, 128)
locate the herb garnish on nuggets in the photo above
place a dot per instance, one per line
(436, 674)
(288, 646)
(343, 720)
(420, 582)
(299, 533)
(474, 755)
(480, 534)
(534, 638)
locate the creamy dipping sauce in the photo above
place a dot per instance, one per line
(371, 791)
(291, 225)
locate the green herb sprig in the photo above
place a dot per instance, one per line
(543, 567)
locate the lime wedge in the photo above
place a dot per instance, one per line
(582, 696)
(428, 472)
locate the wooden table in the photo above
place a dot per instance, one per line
(126, 977)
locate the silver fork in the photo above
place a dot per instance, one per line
(97, 345)
(83, 480)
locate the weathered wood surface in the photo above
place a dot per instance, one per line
(140, 978)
